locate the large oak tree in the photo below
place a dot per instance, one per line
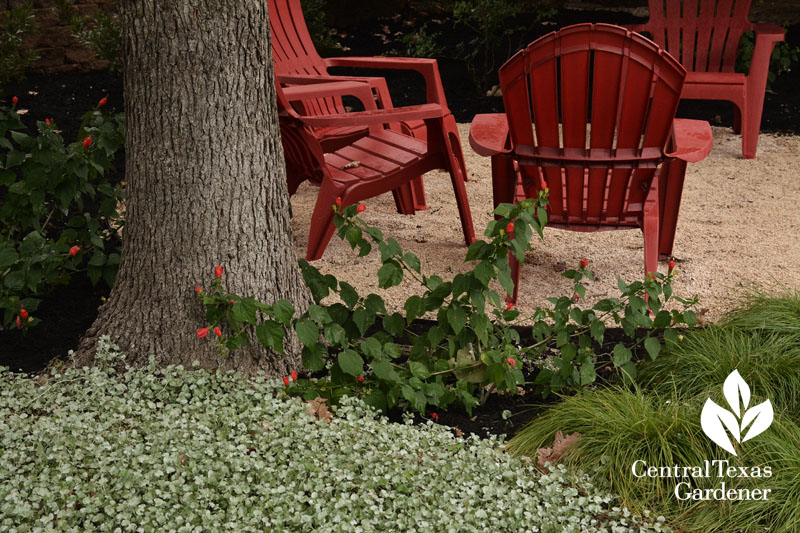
(205, 181)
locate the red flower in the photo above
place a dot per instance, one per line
(233, 303)
(197, 289)
(218, 271)
(19, 323)
(294, 375)
(671, 266)
(102, 102)
(285, 381)
(434, 417)
(576, 297)
(584, 262)
(218, 332)
(338, 201)
(360, 379)
(202, 332)
(23, 313)
(510, 227)
(509, 306)
(87, 142)
(14, 100)
(47, 121)
(511, 361)
(361, 207)
(74, 250)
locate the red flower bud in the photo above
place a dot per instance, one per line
(102, 102)
(87, 142)
(434, 417)
(576, 297)
(584, 262)
(218, 271)
(285, 381)
(14, 100)
(47, 121)
(671, 266)
(509, 306)
(218, 332)
(294, 375)
(19, 323)
(510, 227)
(202, 332)
(74, 250)
(361, 207)
(23, 313)
(511, 361)
(338, 201)
(233, 303)
(198, 289)
(360, 379)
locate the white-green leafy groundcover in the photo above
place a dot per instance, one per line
(186, 450)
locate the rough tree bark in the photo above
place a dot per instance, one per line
(205, 182)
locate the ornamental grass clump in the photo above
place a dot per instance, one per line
(171, 449)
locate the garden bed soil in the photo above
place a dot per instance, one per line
(738, 225)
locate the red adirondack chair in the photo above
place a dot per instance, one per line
(704, 35)
(296, 58)
(379, 161)
(589, 114)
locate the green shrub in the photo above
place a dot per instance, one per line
(783, 57)
(176, 450)
(14, 24)
(99, 31)
(59, 214)
(472, 351)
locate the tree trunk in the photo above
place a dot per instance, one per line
(205, 186)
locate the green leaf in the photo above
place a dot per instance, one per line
(457, 318)
(335, 334)
(414, 308)
(348, 294)
(312, 358)
(653, 347)
(597, 330)
(307, 332)
(8, 257)
(245, 310)
(662, 320)
(319, 314)
(412, 261)
(389, 275)
(628, 371)
(283, 311)
(385, 371)
(15, 280)
(371, 347)
(270, 334)
(588, 373)
(419, 370)
(394, 324)
(351, 363)
(374, 304)
(363, 319)
(621, 354)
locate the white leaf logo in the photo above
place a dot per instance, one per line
(715, 420)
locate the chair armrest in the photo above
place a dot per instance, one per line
(376, 116)
(769, 31)
(691, 140)
(323, 89)
(488, 134)
(428, 68)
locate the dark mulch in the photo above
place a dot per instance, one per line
(69, 310)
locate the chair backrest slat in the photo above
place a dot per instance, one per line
(591, 96)
(293, 52)
(703, 35)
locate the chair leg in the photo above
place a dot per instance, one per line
(650, 230)
(322, 228)
(751, 125)
(454, 145)
(404, 199)
(670, 190)
(504, 180)
(737, 119)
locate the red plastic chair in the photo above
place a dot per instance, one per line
(590, 114)
(377, 162)
(296, 58)
(704, 35)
